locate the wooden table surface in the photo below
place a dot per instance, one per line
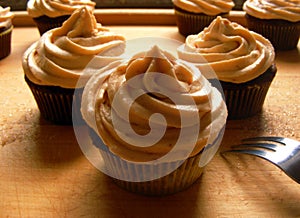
(43, 172)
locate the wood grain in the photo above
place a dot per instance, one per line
(129, 16)
(43, 172)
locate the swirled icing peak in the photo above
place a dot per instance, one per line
(56, 8)
(273, 9)
(209, 7)
(233, 52)
(123, 105)
(76, 50)
(5, 17)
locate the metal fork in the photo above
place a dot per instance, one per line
(285, 154)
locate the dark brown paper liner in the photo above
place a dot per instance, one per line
(238, 5)
(192, 23)
(183, 177)
(5, 42)
(45, 23)
(247, 99)
(284, 35)
(55, 103)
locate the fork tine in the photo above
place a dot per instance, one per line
(278, 139)
(268, 146)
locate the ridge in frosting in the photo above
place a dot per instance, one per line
(122, 107)
(234, 53)
(56, 8)
(6, 17)
(74, 51)
(157, 61)
(273, 9)
(209, 7)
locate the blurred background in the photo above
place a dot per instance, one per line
(20, 5)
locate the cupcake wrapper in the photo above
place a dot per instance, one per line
(247, 99)
(55, 103)
(178, 180)
(181, 178)
(45, 23)
(189, 23)
(5, 42)
(283, 35)
(238, 5)
(245, 102)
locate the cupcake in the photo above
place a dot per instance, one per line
(155, 120)
(193, 16)
(54, 64)
(278, 21)
(241, 61)
(49, 14)
(6, 28)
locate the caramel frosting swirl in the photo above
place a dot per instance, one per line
(5, 17)
(209, 7)
(56, 8)
(76, 50)
(157, 72)
(234, 53)
(273, 9)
